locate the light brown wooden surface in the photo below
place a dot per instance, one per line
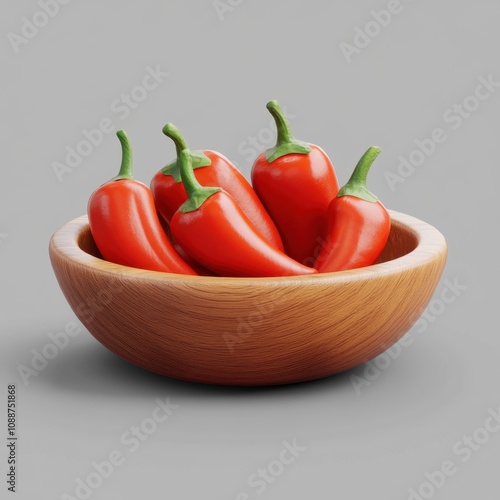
(250, 331)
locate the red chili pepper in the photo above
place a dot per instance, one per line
(124, 223)
(211, 169)
(212, 228)
(358, 224)
(296, 182)
(199, 270)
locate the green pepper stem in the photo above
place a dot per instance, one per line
(285, 143)
(361, 170)
(170, 130)
(126, 167)
(197, 194)
(356, 186)
(191, 184)
(199, 159)
(282, 124)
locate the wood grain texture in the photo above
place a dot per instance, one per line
(250, 331)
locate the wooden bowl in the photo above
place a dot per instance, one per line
(250, 331)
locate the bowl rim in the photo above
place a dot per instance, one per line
(430, 244)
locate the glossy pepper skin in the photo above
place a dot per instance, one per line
(211, 169)
(212, 228)
(296, 183)
(199, 270)
(125, 226)
(358, 224)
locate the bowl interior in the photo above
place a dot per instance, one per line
(86, 243)
(402, 240)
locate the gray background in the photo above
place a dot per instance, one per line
(376, 443)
